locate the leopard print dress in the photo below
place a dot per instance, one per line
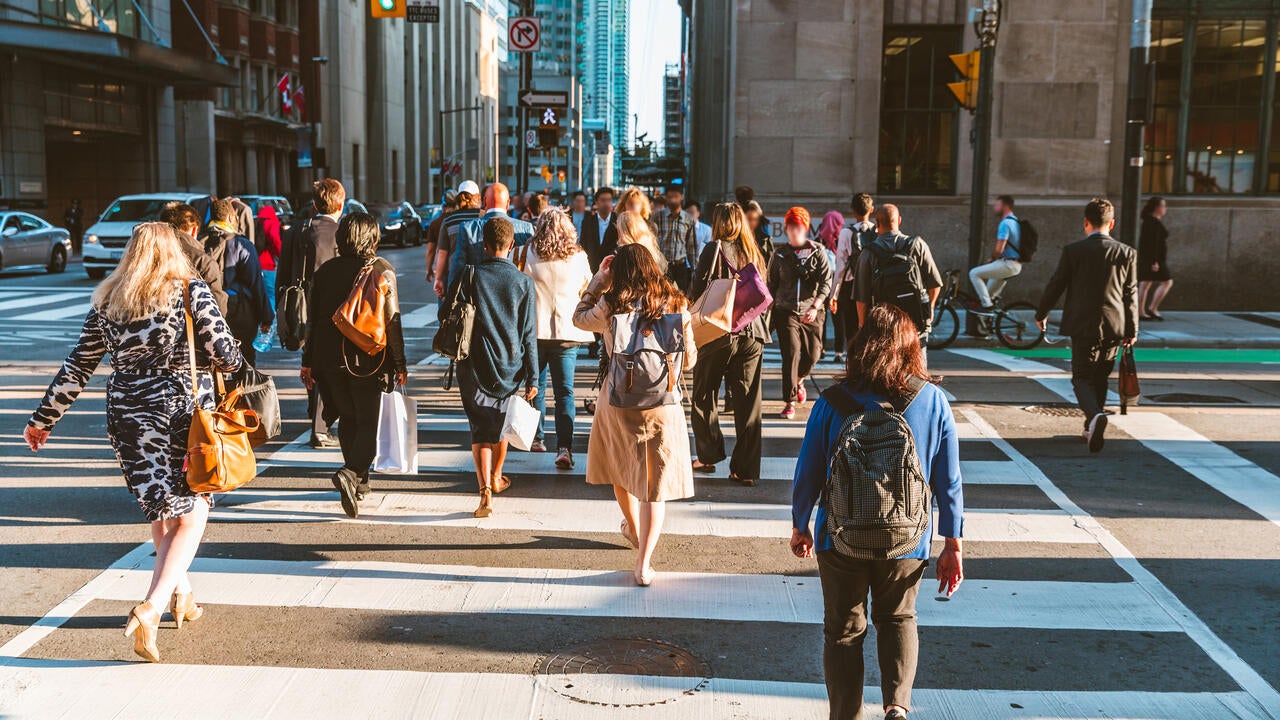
(149, 399)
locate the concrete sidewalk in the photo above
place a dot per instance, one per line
(1235, 329)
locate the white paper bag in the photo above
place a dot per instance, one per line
(521, 422)
(397, 435)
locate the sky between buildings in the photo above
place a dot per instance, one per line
(655, 41)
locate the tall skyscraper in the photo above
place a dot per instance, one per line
(607, 75)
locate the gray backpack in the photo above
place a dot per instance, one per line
(877, 496)
(645, 361)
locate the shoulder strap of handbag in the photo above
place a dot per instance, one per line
(191, 335)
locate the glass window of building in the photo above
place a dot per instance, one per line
(918, 114)
(1215, 97)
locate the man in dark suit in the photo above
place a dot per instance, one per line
(1100, 277)
(310, 245)
(598, 237)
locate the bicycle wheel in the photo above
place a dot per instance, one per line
(946, 326)
(1016, 326)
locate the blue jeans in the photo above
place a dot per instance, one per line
(562, 359)
(269, 279)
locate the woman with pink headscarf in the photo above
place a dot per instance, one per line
(829, 236)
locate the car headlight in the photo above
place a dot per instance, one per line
(394, 226)
(91, 239)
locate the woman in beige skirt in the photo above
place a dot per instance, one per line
(644, 454)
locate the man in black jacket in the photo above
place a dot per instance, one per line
(1100, 278)
(310, 245)
(595, 229)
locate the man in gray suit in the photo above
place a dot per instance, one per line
(1100, 277)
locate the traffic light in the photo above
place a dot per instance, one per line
(548, 137)
(386, 8)
(546, 173)
(966, 91)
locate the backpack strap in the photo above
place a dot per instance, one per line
(840, 396)
(900, 404)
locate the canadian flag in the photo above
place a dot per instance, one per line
(286, 98)
(300, 102)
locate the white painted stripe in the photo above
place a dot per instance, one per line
(1220, 652)
(65, 610)
(425, 316)
(34, 300)
(1221, 469)
(692, 517)
(67, 312)
(993, 472)
(404, 587)
(1214, 465)
(115, 691)
(1008, 362)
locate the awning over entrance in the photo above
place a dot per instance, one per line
(112, 53)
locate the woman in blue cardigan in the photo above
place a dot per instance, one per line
(883, 360)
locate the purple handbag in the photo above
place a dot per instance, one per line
(751, 297)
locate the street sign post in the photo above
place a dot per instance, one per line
(530, 98)
(423, 11)
(524, 34)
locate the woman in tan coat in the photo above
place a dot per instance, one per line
(644, 454)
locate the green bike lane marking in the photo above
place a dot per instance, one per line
(1165, 355)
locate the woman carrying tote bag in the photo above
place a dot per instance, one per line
(139, 318)
(734, 358)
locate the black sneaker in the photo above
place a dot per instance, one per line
(1097, 431)
(362, 489)
(345, 481)
(895, 714)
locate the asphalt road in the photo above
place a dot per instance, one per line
(1140, 583)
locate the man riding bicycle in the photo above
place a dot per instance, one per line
(988, 280)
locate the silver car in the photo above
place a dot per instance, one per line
(26, 241)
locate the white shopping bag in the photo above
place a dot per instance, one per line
(521, 422)
(397, 435)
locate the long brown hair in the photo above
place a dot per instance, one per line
(729, 225)
(885, 353)
(638, 282)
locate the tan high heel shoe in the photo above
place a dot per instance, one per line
(144, 621)
(183, 607)
(486, 504)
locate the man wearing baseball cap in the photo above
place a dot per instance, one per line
(438, 252)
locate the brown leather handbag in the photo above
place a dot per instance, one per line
(219, 448)
(362, 318)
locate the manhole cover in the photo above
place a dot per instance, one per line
(1193, 399)
(623, 672)
(1054, 410)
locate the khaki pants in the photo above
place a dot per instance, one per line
(893, 585)
(988, 280)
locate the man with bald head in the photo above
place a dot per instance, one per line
(468, 246)
(897, 269)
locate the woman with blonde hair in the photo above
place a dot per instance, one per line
(140, 317)
(560, 271)
(632, 200)
(641, 448)
(634, 229)
(735, 359)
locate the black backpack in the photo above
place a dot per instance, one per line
(877, 497)
(897, 280)
(292, 322)
(1028, 240)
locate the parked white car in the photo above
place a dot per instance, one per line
(104, 241)
(26, 240)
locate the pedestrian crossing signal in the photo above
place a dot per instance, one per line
(966, 91)
(386, 8)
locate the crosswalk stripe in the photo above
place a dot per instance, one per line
(136, 690)
(695, 517)
(405, 587)
(79, 310)
(423, 317)
(33, 300)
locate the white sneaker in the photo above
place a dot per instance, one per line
(1096, 432)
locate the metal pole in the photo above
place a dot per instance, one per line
(1135, 120)
(987, 27)
(526, 82)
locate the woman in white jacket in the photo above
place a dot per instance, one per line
(560, 271)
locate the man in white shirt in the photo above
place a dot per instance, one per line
(700, 228)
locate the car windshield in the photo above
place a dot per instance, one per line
(134, 210)
(386, 213)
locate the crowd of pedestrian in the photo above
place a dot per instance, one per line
(658, 295)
